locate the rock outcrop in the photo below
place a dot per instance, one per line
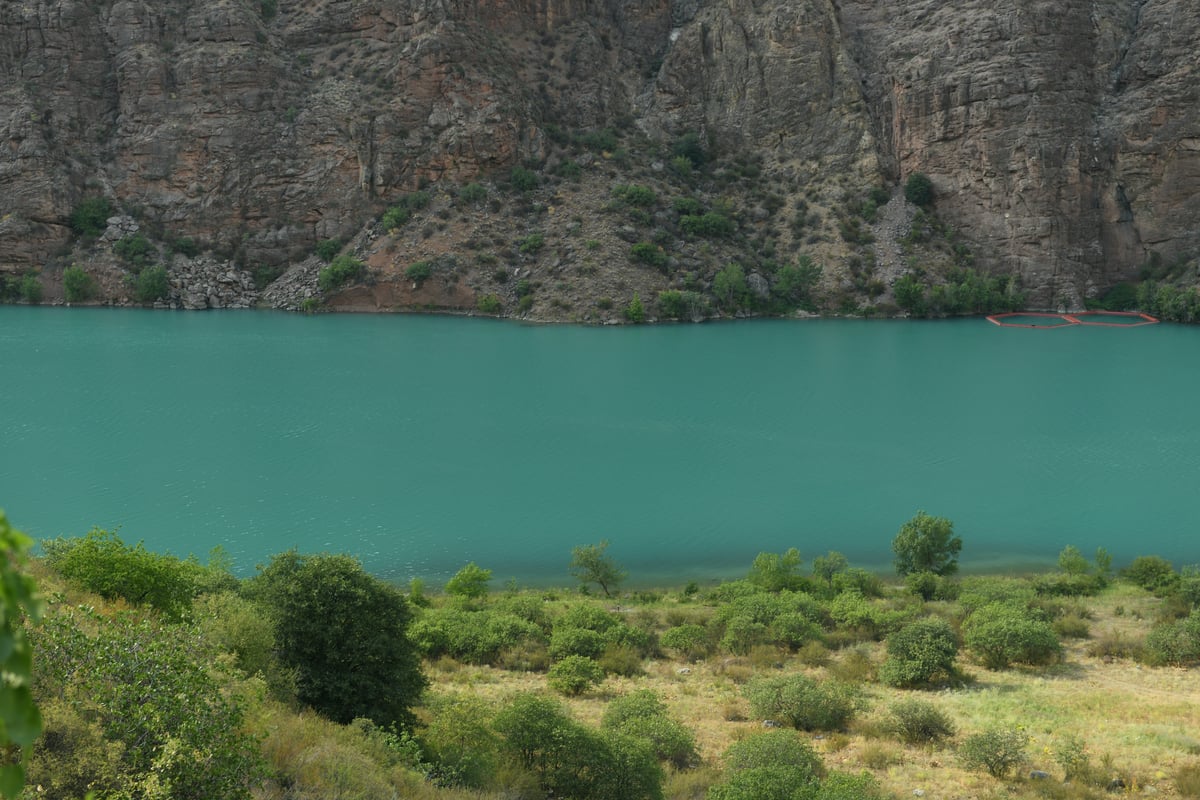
(1063, 139)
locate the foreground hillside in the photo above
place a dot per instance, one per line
(235, 137)
(179, 680)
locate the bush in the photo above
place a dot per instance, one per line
(769, 766)
(919, 654)
(650, 254)
(711, 225)
(1152, 573)
(152, 284)
(523, 180)
(470, 582)
(730, 287)
(418, 271)
(775, 572)
(635, 195)
(918, 189)
(690, 146)
(532, 243)
(997, 751)
(642, 715)
(918, 722)
(1176, 643)
(134, 250)
(690, 641)
(687, 206)
(78, 285)
(328, 248)
(100, 562)
(90, 217)
(472, 193)
(185, 246)
(1001, 634)
(803, 703)
(340, 271)
(488, 303)
(31, 289)
(574, 675)
(635, 312)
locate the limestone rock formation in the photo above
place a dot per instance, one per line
(1063, 139)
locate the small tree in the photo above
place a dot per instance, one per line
(78, 285)
(574, 675)
(777, 571)
(345, 633)
(1071, 561)
(919, 722)
(152, 284)
(919, 654)
(918, 189)
(470, 582)
(999, 634)
(802, 703)
(927, 544)
(828, 565)
(730, 287)
(635, 312)
(591, 564)
(91, 216)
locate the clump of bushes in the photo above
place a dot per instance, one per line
(340, 271)
(649, 254)
(1001, 634)
(920, 654)
(78, 285)
(643, 715)
(151, 284)
(488, 303)
(711, 225)
(574, 675)
(402, 211)
(418, 272)
(328, 248)
(90, 217)
(135, 250)
(635, 195)
(918, 722)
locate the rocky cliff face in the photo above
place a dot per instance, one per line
(1062, 138)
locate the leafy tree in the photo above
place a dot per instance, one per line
(31, 289)
(794, 283)
(650, 254)
(470, 582)
(918, 189)
(345, 633)
(801, 702)
(919, 654)
(690, 146)
(78, 285)
(90, 217)
(730, 288)
(774, 765)
(1071, 561)
(777, 571)
(927, 544)
(465, 751)
(328, 248)
(826, 566)
(20, 722)
(472, 193)
(1152, 573)
(691, 641)
(1176, 643)
(635, 312)
(590, 563)
(910, 295)
(523, 180)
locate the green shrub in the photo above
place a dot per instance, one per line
(574, 675)
(185, 246)
(687, 206)
(472, 193)
(926, 544)
(1001, 634)
(78, 285)
(650, 254)
(774, 765)
(920, 654)
(265, 275)
(523, 180)
(395, 217)
(918, 722)
(635, 195)
(134, 250)
(470, 582)
(567, 641)
(730, 287)
(532, 243)
(418, 271)
(642, 715)
(710, 225)
(488, 303)
(101, 562)
(690, 641)
(802, 703)
(90, 217)
(844, 786)
(152, 284)
(635, 312)
(675, 304)
(328, 248)
(603, 140)
(690, 147)
(341, 270)
(1152, 573)
(1176, 643)
(997, 750)
(918, 189)
(459, 741)
(30, 289)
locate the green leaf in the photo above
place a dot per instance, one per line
(12, 778)
(19, 715)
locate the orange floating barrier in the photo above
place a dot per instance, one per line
(1128, 319)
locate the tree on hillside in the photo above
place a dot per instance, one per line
(345, 633)
(590, 564)
(470, 582)
(927, 544)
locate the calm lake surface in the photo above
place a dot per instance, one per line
(419, 443)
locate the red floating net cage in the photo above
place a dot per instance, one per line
(1099, 319)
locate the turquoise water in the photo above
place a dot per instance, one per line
(419, 443)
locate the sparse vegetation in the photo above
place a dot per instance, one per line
(341, 270)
